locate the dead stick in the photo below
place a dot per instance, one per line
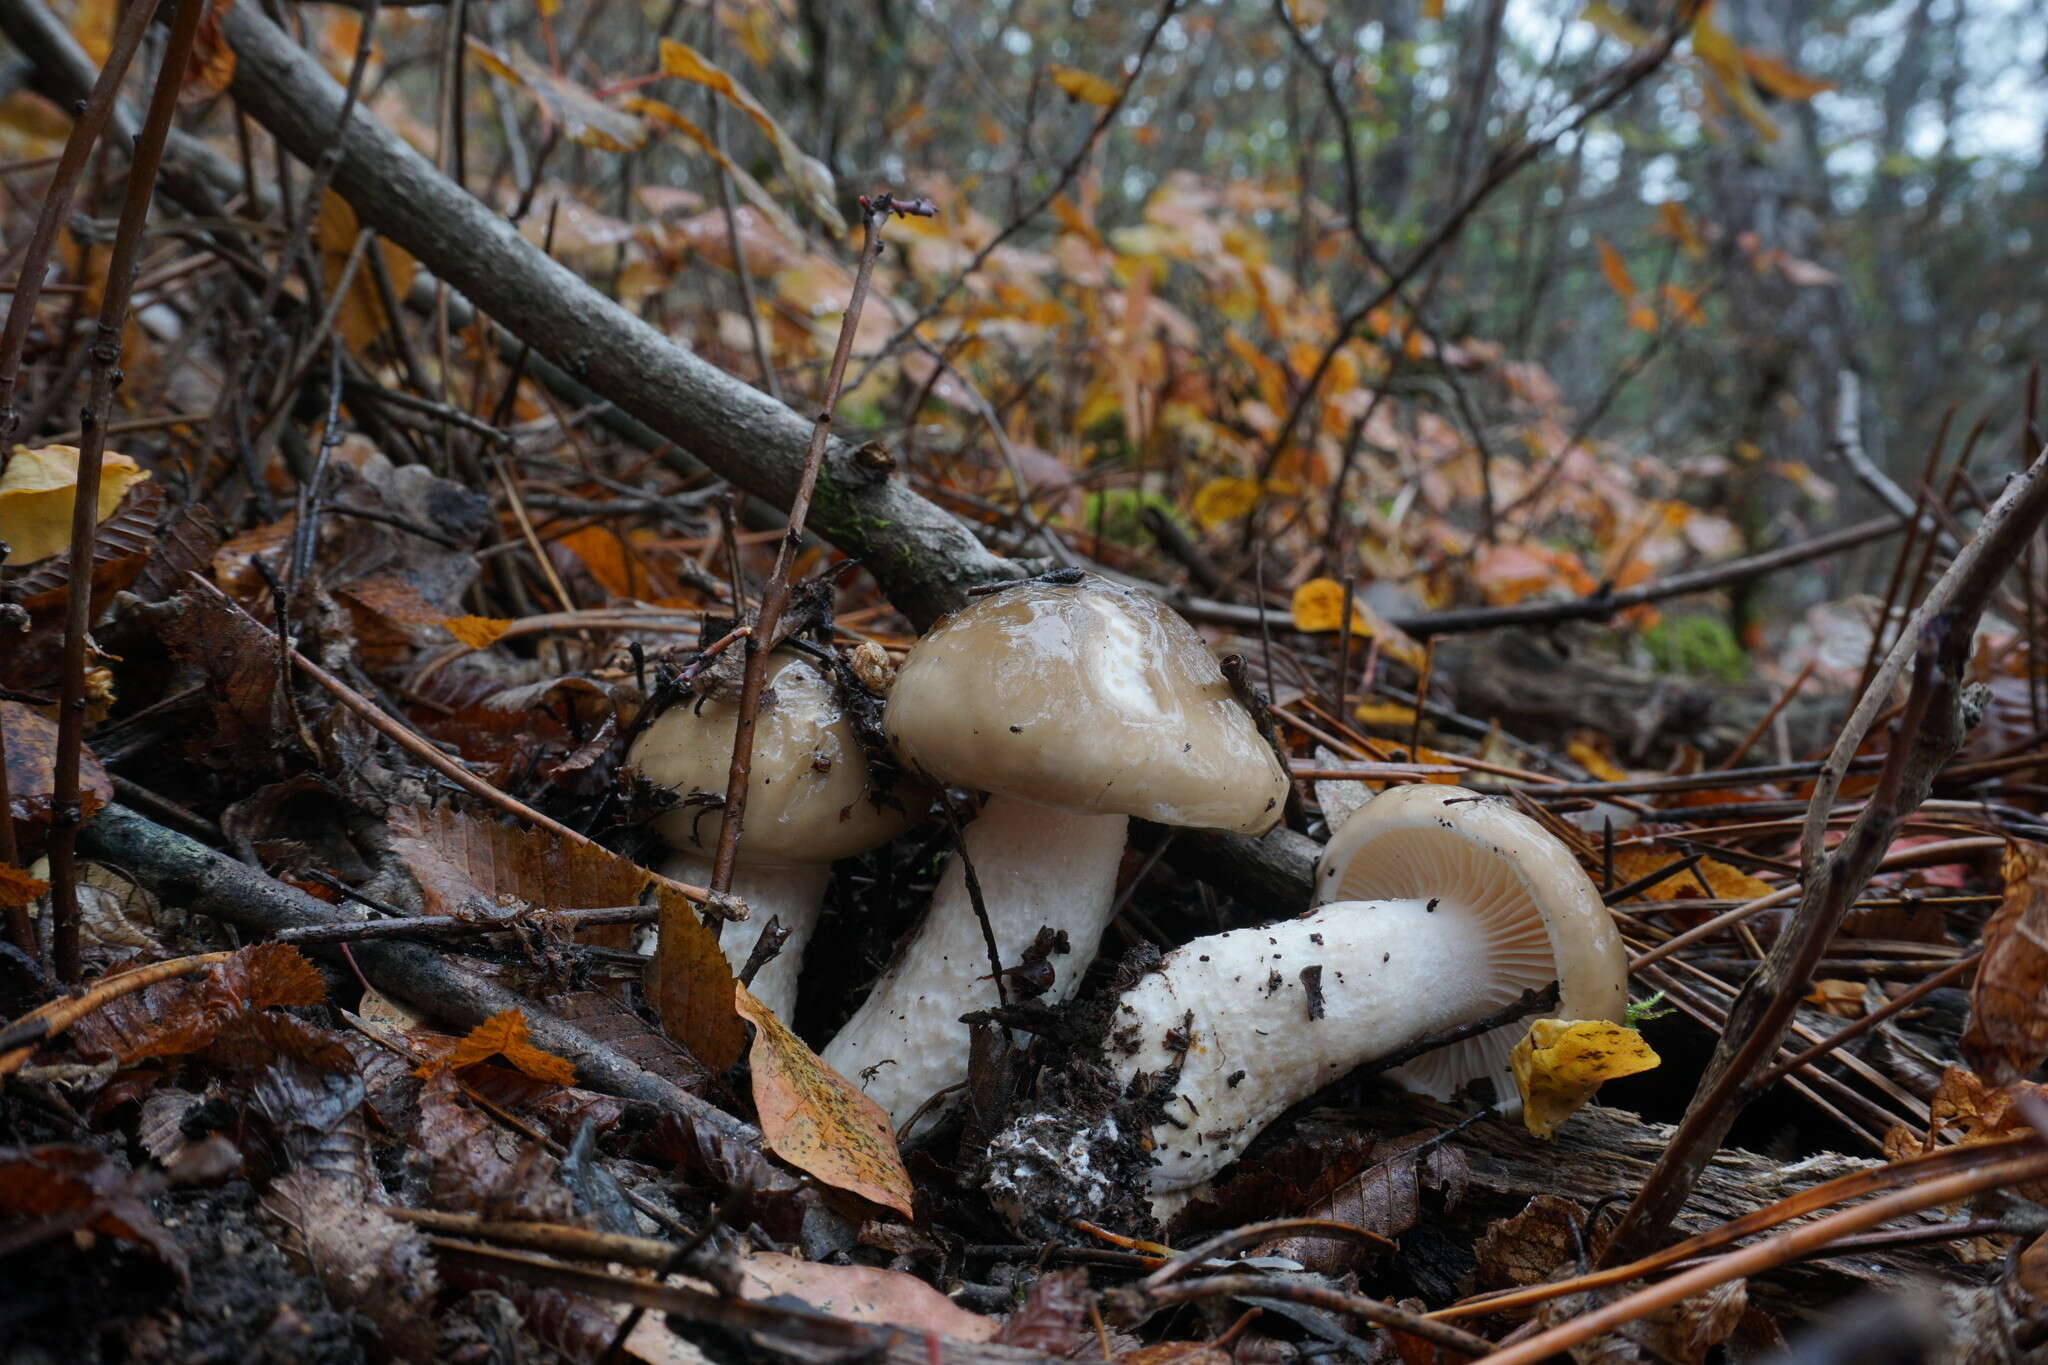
(122, 261)
(1786, 1246)
(1937, 641)
(775, 594)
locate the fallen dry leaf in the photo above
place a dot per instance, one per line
(861, 1293)
(505, 1035)
(816, 1119)
(31, 744)
(1319, 606)
(36, 498)
(2008, 1033)
(1560, 1063)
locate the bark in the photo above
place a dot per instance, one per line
(193, 875)
(924, 559)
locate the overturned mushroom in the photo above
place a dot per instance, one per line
(1439, 908)
(809, 803)
(1075, 705)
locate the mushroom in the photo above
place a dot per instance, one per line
(1075, 705)
(809, 802)
(1435, 909)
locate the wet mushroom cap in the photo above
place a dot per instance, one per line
(1090, 697)
(808, 790)
(1541, 919)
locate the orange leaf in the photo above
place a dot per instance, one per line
(1083, 85)
(1673, 224)
(1615, 270)
(505, 1035)
(815, 1119)
(1780, 79)
(478, 632)
(17, 888)
(604, 555)
(1727, 883)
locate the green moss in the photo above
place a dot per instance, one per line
(1697, 644)
(1121, 513)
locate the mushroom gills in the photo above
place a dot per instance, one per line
(1392, 971)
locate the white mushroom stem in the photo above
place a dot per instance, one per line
(790, 892)
(1393, 971)
(1036, 865)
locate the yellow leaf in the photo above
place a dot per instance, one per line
(1643, 318)
(1725, 882)
(548, 8)
(36, 498)
(1560, 1063)
(478, 632)
(1308, 13)
(1602, 767)
(361, 314)
(1712, 45)
(1432, 9)
(750, 189)
(1614, 24)
(1319, 606)
(505, 1035)
(588, 120)
(806, 174)
(1223, 500)
(1615, 270)
(817, 1120)
(1780, 79)
(1083, 85)
(1392, 714)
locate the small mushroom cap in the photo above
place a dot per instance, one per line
(807, 793)
(1543, 919)
(1087, 696)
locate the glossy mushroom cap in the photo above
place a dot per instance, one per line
(807, 794)
(1090, 697)
(1539, 916)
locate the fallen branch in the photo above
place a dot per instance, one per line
(188, 872)
(924, 559)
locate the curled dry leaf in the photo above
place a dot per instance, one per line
(1560, 1063)
(1084, 86)
(807, 175)
(2008, 1033)
(505, 1035)
(180, 1016)
(816, 1119)
(1383, 1197)
(71, 1188)
(1723, 881)
(1529, 1247)
(1319, 606)
(587, 120)
(36, 498)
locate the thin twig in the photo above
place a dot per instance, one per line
(122, 262)
(775, 593)
(1937, 641)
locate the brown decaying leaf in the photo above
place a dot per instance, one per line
(459, 859)
(17, 888)
(367, 1261)
(1528, 1247)
(1054, 1317)
(178, 1017)
(861, 1293)
(587, 120)
(2008, 1033)
(817, 1120)
(31, 742)
(480, 1167)
(361, 314)
(87, 1190)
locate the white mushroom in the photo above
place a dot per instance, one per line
(808, 804)
(1436, 908)
(1075, 706)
